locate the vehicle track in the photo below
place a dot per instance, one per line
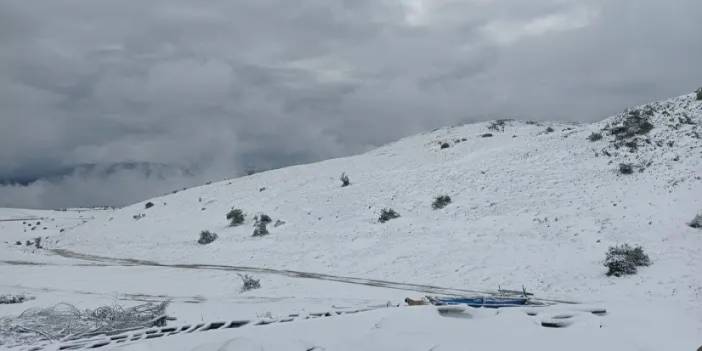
(424, 288)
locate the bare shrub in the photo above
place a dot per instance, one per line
(623, 260)
(236, 217)
(387, 214)
(441, 202)
(696, 222)
(206, 237)
(249, 283)
(344, 180)
(594, 136)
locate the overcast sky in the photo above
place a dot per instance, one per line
(219, 87)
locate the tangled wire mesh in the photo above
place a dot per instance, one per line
(64, 321)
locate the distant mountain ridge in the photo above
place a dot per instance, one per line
(100, 170)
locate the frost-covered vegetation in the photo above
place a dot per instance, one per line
(624, 260)
(387, 214)
(249, 283)
(441, 202)
(206, 237)
(63, 321)
(236, 217)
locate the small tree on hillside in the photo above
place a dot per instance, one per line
(696, 222)
(260, 228)
(206, 237)
(699, 94)
(387, 214)
(236, 217)
(441, 202)
(344, 180)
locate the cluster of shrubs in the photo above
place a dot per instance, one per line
(260, 224)
(236, 217)
(624, 260)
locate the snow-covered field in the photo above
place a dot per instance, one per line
(530, 207)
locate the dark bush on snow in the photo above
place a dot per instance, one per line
(498, 125)
(549, 130)
(149, 205)
(206, 237)
(594, 136)
(635, 123)
(445, 145)
(441, 202)
(12, 299)
(486, 135)
(249, 283)
(699, 94)
(263, 218)
(260, 228)
(236, 217)
(344, 180)
(626, 168)
(623, 260)
(696, 222)
(387, 214)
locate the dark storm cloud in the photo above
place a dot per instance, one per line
(226, 86)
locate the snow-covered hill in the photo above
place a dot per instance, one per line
(533, 204)
(530, 207)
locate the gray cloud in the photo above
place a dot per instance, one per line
(227, 86)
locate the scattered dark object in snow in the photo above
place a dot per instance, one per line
(549, 130)
(387, 214)
(594, 136)
(278, 223)
(699, 94)
(263, 218)
(635, 123)
(498, 125)
(441, 202)
(344, 180)
(261, 189)
(249, 283)
(236, 216)
(11, 299)
(261, 221)
(445, 145)
(696, 222)
(206, 237)
(149, 205)
(623, 260)
(626, 168)
(486, 135)
(37, 242)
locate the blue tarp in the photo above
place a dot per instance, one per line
(480, 301)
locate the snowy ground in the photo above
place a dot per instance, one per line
(530, 207)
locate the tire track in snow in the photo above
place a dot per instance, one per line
(424, 288)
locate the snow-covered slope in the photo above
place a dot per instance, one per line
(530, 207)
(533, 204)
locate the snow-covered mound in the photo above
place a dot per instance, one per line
(533, 204)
